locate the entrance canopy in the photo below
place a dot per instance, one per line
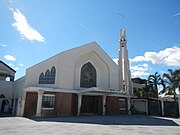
(84, 91)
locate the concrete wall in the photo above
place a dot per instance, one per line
(68, 66)
(33, 73)
(6, 88)
(19, 87)
(72, 60)
(102, 70)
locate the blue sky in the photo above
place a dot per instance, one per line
(34, 30)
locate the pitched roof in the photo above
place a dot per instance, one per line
(138, 80)
(86, 46)
(7, 66)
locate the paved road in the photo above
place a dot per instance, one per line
(90, 125)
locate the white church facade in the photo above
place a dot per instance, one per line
(83, 80)
(79, 81)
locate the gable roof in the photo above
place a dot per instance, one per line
(89, 46)
(7, 66)
(92, 46)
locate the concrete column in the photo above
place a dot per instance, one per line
(14, 103)
(21, 104)
(104, 105)
(39, 103)
(179, 105)
(125, 72)
(129, 105)
(120, 69)
(162, 107)
(146, 107)
(79, 104)
(0, 103)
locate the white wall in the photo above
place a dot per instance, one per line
(68, 66)
(33, 73)
(19, 87)
(102, 70)
(6, 88)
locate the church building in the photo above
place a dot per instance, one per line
(79, 81)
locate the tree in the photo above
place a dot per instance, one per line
(173, 81)
(153, 82)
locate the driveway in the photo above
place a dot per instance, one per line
(116, 120)
(90, 125)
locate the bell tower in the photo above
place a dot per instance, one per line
(125, 82)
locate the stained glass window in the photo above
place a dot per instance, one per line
(88, 76)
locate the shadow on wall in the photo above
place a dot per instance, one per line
(113, 120)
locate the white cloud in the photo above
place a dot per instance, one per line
(116, 60)
(177, 14)
(3, 45)
(138, 58)
(139, 70)
(21, 65)
(13, 66)
(10, 57)
(26, 31)
(168, 56)
(10, 1)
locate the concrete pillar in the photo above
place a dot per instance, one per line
(125, 72)
(39, 103)
(0, 103)
(14, 103)
(129, 104)
(120, 69)
(146, 107)
(179, 105)
(162, 107)
(79, 104)
(104, 105)
(21, 104)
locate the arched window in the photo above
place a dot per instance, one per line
(47, 77)
(41, 78)
(88, 76)
(53, 75)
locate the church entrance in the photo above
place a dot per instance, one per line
(91, 105)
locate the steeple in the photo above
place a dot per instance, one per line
(122, 37)
(125, 83)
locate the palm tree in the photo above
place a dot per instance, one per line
(173, 81)
(153, 82)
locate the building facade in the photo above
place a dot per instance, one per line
(79, 81)
(6, 87)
